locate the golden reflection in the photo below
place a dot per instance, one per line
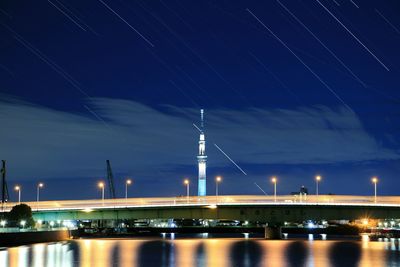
(373, 255)
(217, 252)
(365, 241)
(273, 252)
(97, 251)
(85, 252)
(186, 252)
(318, 253)
(13, 257)
(213, 252)
(127, 254)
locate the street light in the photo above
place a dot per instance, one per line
(374, 181)
(3, 223)
(23, 222)
(218, 179)
(40, 185)
(101, 186)
(186, 182)
(127, 183)
(317, 180)
(18, 188)
(274, 181)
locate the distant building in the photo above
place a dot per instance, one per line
(303, 190)
(302, 193)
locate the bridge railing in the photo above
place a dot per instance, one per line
(208, 200)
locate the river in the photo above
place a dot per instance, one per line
(218, 252)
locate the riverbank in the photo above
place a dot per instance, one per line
(345, 231)
(11, 239)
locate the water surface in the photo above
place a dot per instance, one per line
(218, 252)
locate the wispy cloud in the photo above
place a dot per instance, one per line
(43, 142)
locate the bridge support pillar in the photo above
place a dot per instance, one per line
(273, 232)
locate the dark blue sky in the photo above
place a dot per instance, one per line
(86, 81)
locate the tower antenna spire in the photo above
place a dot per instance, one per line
(202, 119)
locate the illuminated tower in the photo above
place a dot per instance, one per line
(202, 158)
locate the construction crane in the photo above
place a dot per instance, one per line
(110, 179)
(4, 188)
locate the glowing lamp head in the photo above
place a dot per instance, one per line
(218, 179)
(40, 185)
(318, 178)
(101, 185)
(186, 181)
(17, 188)
(274, 180)
(374, 180)
(129, 181)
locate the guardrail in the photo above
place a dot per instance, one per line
(24, 230)
(210, 200)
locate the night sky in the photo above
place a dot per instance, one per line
(290, 88)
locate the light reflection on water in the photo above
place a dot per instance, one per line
(204, 252)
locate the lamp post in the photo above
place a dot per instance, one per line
(40, 185)
(274, 181)
(18, 188)
(218, 179)
(186, 182)
(374, 181)
(101, 186)
(127, 183)
(317, 180)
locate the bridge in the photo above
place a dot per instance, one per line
(236, 207)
